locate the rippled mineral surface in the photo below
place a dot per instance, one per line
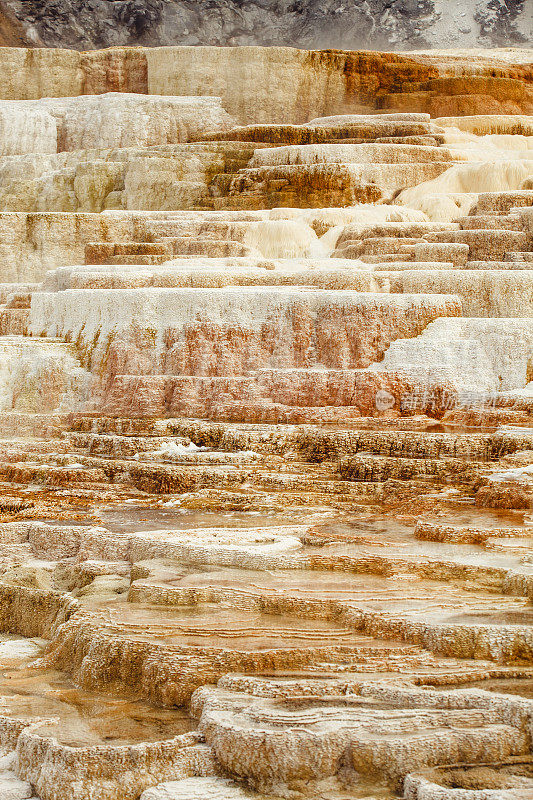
(266, 395)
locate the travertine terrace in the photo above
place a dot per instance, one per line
(266, 385)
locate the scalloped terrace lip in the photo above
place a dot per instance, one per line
(266, 375)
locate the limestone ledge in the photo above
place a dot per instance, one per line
(155, 179)
(493, 353)
(301, 744)
(52, 125)
(157, 327)
(309, 83)
(509, 776)
(60, 772)
(33, 243)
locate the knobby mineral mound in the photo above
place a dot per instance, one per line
(266, 395)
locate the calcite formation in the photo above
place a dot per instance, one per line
(266, 454)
